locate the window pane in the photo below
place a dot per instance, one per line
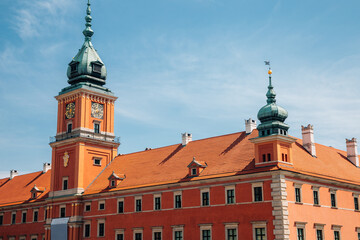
(333, 200)
(178, 235)
(300, 232)
(157, 203)
(230, 196)
(258, 194)
(356, 203)
(120, 207)
(297, 195)
(138, 236)
(120, 236)
(206, 235)
(101, 229)
(319, 234)
(336, 235)
(87, 230)
(260, 233)
(157, 235)
(205, 198)
(138, 205)
(36, 214)
(316, 197)
(178, 201)
(231, 234)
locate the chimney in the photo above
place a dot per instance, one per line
(186, 138)
(13, 173)
(46, 167)
(250, 125)
(308, 139)
(352, 153)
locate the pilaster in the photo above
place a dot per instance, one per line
(280, 207)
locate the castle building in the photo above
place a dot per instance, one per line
(259, 184)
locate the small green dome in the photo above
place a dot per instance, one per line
(271, 112)
(87, 66)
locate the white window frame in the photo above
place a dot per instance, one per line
(97, 158)
(230, 187)
(101, 202)
(192, 171)
(157, 195)
(62, 183)
(301, 225)
(316, 189)
(253, 186)
(259, 224)
(22, 213)
(298, 185)
(335, 227)
(138, 198)
(67, 126)
(138, 230)
(205, 227)
(33, 237)
(174, 201)
(356, 195)
(87, 204)
(333, 191)
(60, 207)
(99, 221)
(156, 229)
(85, 223)
(99, 123)
(117, 205)
(119, 231)
(231, 226)
(22, 237)
(177, 228)
(33, 215)
(201, 199)
(319, 226)
(11, 220)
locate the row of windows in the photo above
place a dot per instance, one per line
(24, 217)
(96, 128)
(231, 232)
(205, 200)
(316, 199)
(301, 235)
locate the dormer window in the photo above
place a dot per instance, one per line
(36, 192)
(115, 179)
(196, 167)
(74, 67)
(96, 67)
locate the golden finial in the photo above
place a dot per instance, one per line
(269, 72)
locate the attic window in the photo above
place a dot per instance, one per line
(74, 67)
(34, 195)
(196, 167)
(97, 68)
(97, 161)
(193, 171)
(115, 179)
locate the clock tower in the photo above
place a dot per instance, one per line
(85, 142)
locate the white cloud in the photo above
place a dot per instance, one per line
(35, 17)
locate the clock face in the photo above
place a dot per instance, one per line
(70, 110)
(97, 110)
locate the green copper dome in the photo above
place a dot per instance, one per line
(87, 66)
(272, 116)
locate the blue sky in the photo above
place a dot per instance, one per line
(180, 65)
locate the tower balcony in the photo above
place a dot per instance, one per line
(84, 134)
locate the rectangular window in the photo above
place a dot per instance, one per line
(336, 235)
(356, 203)
(97, 161)
(69, 128)
(138, 205)
(319, 234)
(333, 200)
(45, 214)
(178, 201)
(120, 236)
(1, 220)
(193, 171)
(300, 233)
(316, 197)
(258, 194)
(157, 202)
(157, 235)
(206, 234)
(65, 183)
(358, 236)
(205, 199)
(101, 229)
(87, 230)
(120, 206)
(138, 236)
(230, 196)
(13, 218)
(260, 234)
(87, 207)
(231, 234)
(62, 212)
(101, 205)
(23, 219)
(96, 127)
(269, 157)
(298, 195)
(264, 157)
(178, 235)
(36, 216)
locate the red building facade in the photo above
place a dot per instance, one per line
(258, 184)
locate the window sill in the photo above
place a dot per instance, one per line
(299, 203)
(316, 205)
(334, 208)
(97, 165)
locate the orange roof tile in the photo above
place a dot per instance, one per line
(17, 190)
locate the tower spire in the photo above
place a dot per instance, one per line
(271, 92)
(88, 32)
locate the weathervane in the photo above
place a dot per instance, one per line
(269, 72)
